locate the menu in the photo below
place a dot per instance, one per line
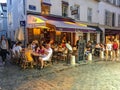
(81, 49)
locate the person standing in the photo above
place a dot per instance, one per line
(4, 48)
(109, 50)
(115, 50)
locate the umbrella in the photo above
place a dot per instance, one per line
(16, 35)
(20, 35)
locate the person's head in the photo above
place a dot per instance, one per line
(19, 43)
(47, 46)
(2, 37)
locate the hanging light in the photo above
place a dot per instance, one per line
(58, 33)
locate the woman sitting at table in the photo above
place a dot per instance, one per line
(47, 55)
(28, 54)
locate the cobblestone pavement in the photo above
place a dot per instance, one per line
(101, 75)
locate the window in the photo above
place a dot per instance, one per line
(77, 15)
(109, 1)
(113, 19)
(45, 9)
(108, 18)
(118, 3)
(10, 2)
(64, 9)
(89, 15)
(114, 2)
(118, 20)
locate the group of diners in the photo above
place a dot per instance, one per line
(34, 52)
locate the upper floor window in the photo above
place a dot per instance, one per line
(10, 2)
(77, 15)
(113, 19)
(109, 18)
(118, 3)
(89, 15)
(45, 9)
(119, 20)
(112, 1)
(65, 9)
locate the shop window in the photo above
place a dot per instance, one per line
(45, 9)
(93, 37)
(65, 9)
(85, 37)
(89, 15)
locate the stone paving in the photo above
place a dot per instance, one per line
(95, 75)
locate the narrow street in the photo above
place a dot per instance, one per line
(100, 75)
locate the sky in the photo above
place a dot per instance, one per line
(2, 1)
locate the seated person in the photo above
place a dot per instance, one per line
(42, 50)
(28, 55)
(46, 56)
(17, 48)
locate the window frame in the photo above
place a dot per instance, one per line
(89, 14)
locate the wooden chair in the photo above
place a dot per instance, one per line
(55, 57)
(15, 57)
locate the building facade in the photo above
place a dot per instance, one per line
(3, 19)
(109, 19)
(55, 19)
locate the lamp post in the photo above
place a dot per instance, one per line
(23, 22)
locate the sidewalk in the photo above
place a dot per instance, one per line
(14, 70)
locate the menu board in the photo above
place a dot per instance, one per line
(81, 49)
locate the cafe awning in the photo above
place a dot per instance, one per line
(60, 24)
(96, 27)
(68, 26)
(112, 31)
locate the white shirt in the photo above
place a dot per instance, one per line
(3, 44)
(48, 55)
(17, 48)
(109, 47)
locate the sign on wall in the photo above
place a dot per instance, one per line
(74, 10)
(32, 7)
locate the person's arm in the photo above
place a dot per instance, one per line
(7, 47)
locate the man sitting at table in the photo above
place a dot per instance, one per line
(17, 48)
(47, 55)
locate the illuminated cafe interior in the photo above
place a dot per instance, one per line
(55, 28)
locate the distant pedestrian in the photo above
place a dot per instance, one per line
(115, 50)
(4, 48)
(109, 50)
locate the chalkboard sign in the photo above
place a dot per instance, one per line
(81, 49)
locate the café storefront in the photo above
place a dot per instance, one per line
(54, 28)
(111, 34)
